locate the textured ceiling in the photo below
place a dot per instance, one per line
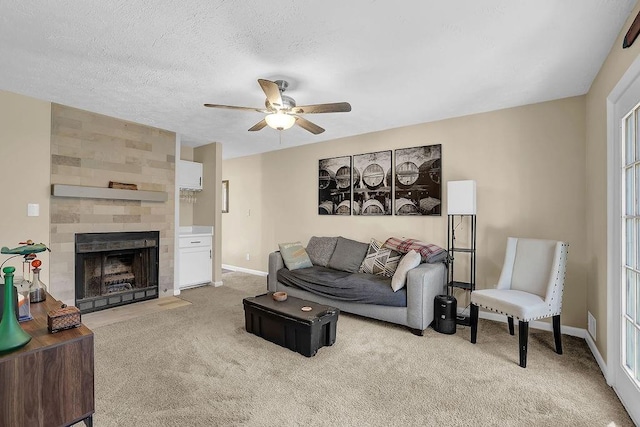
(398, 63)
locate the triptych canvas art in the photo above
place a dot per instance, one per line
(407, 183)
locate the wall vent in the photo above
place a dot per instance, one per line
(591, 325)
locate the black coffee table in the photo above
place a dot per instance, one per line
(286, 324)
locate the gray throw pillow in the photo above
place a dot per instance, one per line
(320, 249)
(348, 255)
(294, 255)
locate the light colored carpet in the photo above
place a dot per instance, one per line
(131, 311)
(197, 366)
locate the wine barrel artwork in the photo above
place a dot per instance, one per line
(355, 178)
(373, 176)
(345, 207)
(375, 167)
(372, 207)
(334, 184)
(406, 174)
(429, 172)
(428, 204)
(420, 185)
(343, 178)
(326, 179)
(326, 208)
(406, 207)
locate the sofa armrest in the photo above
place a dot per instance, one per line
(423, 284)
(275, 263)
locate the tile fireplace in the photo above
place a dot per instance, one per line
(114, 269)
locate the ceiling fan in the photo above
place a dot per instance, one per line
(281, 110)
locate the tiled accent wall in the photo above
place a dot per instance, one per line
(90, 149)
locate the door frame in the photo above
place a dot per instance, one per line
(619, 102)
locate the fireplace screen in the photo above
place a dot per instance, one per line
(115, 268)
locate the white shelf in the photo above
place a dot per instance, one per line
(195, 230)
(79, 191)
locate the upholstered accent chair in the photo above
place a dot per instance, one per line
(530, 288)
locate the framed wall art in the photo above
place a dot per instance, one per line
(418, 188)
(372, 183)
(335, 185)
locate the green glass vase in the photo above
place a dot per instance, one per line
(11, 334)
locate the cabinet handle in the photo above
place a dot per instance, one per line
(198, 241)
(210, 256)
(200, 181)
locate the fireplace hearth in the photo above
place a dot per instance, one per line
(114, 269)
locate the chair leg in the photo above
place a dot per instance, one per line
(523, 340)
(510, 321)
(557, 335)
(474, 323)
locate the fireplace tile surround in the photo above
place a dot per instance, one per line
(90, 149)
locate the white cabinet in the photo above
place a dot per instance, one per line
(195, 260)
(189, 175)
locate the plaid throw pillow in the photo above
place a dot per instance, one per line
(428, 251)
(379, 260)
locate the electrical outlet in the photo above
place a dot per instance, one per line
(248, 257)
(591, 325)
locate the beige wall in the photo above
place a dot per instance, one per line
(528, 163)
(611, 72)
(208, 209)
(25, 130)
(186, 208)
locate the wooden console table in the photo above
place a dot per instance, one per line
(48, 382)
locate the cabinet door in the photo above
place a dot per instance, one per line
(195, 266)
(189, 175)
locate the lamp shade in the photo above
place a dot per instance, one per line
(280, 121)
(461, 197)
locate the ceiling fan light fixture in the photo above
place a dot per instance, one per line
(280, 121)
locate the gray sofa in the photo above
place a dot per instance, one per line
(423, 284)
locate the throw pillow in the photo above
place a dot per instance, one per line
(379, 260)
(409, 261)
(294, 255)
(348, 255)
(428, 251)
(320, 249)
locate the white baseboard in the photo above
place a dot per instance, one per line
(244, 270)
(567, 330)
(601, 363)
(216, 284)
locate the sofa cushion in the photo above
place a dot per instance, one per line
(428, 251)
(320, 249)
(379, 260)
(348, 255)
(410, 260)
(294, 255)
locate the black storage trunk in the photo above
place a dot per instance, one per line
(445, 307)
(285, 324)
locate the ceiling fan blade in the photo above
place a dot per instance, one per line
(262, 123)
(307, 125)
(233, 107)
(335, 107)
(272, 91)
